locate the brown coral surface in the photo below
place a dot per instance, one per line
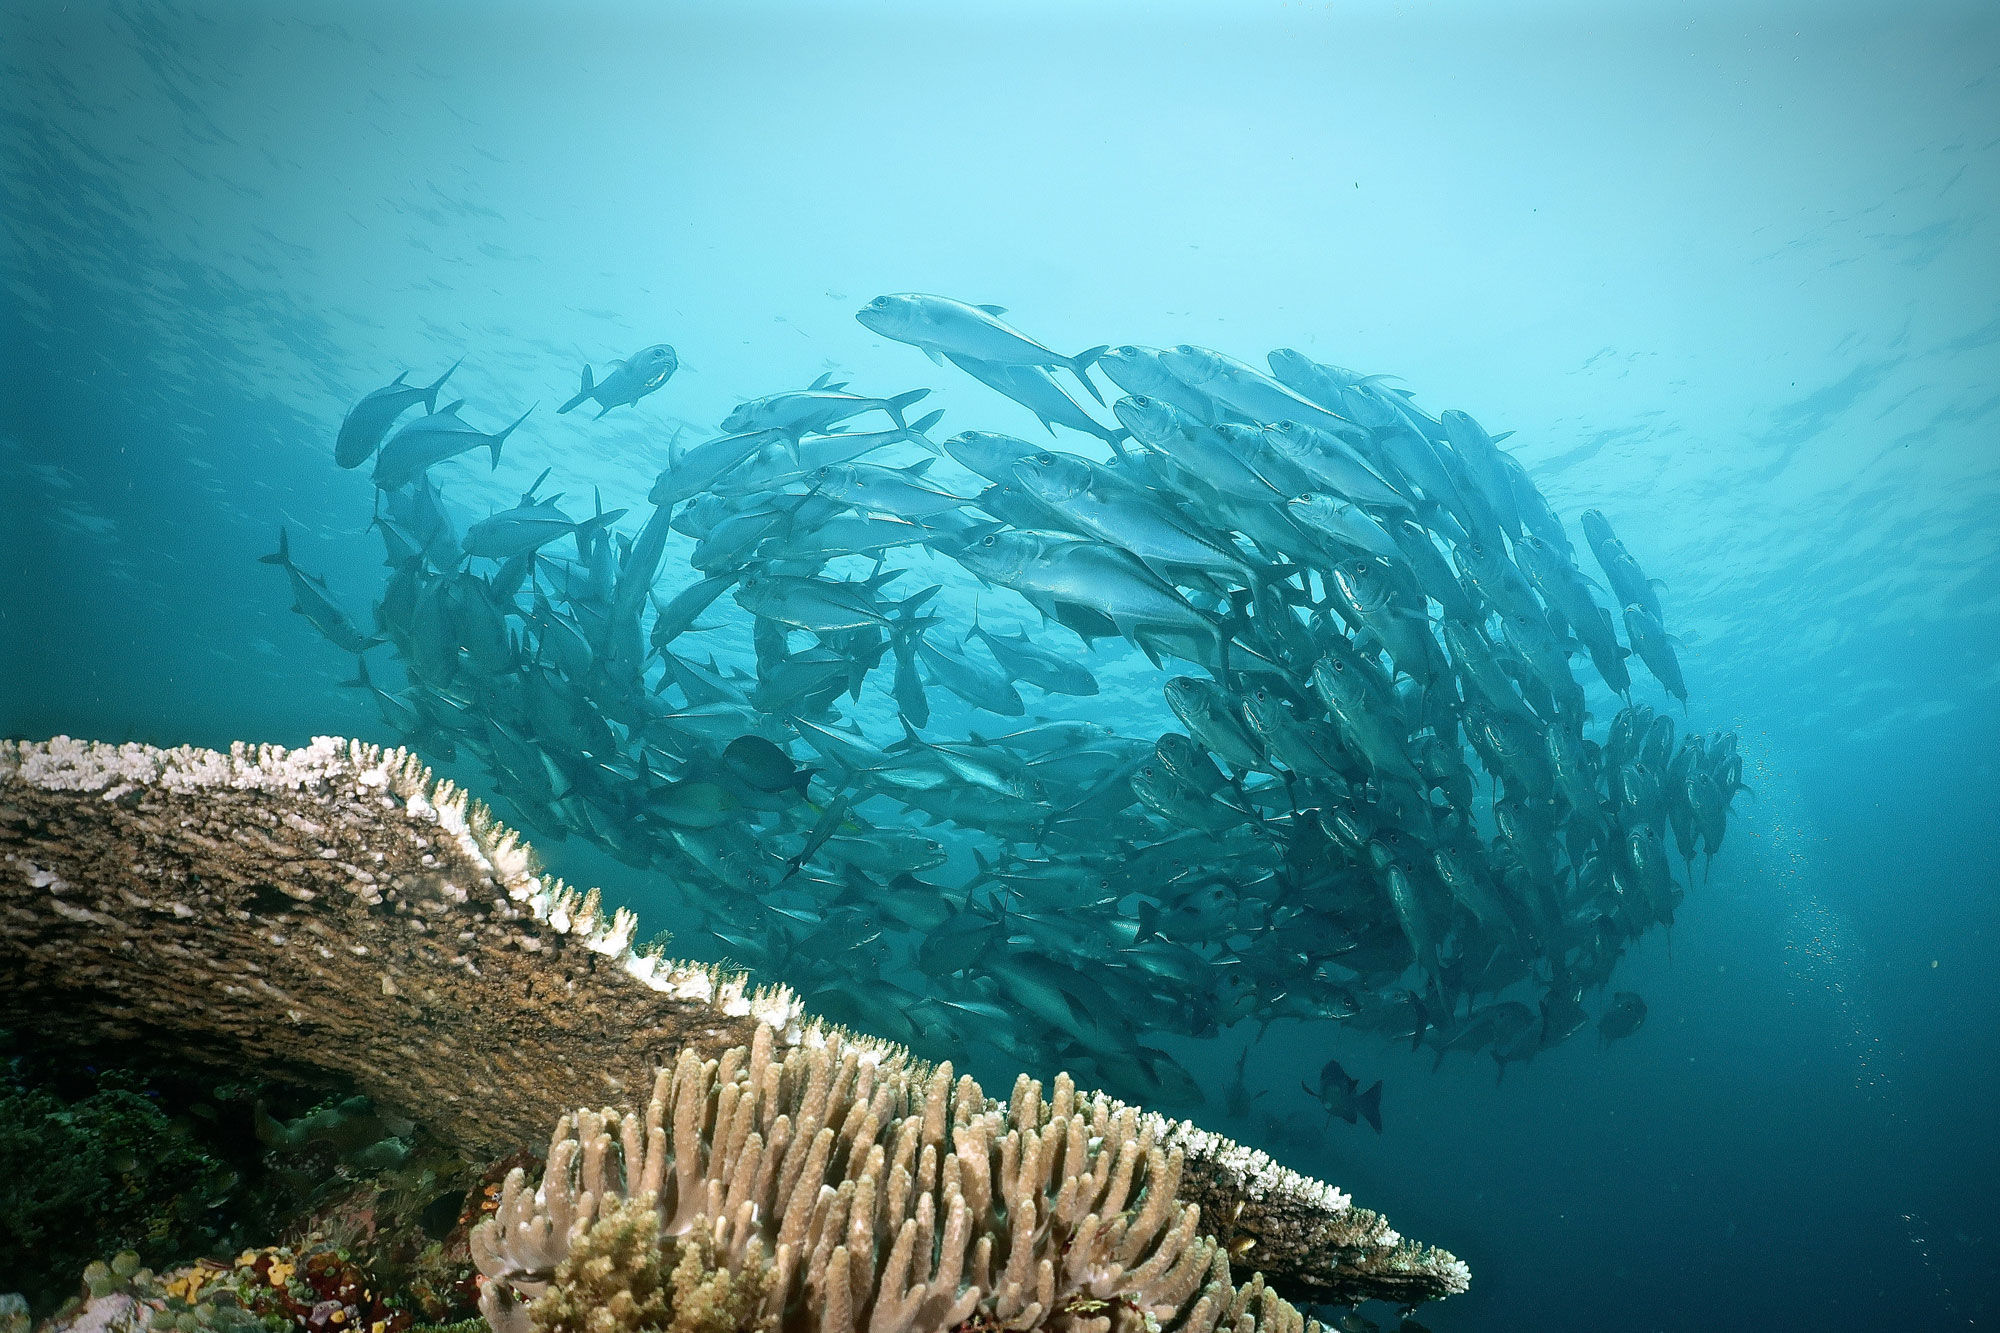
(334, 909)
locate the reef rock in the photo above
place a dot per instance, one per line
(334, 910)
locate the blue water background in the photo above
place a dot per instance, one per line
(1729, 272)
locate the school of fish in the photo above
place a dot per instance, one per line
(1383, 805)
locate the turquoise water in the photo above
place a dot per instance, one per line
(1728, 276)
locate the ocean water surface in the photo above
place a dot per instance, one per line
(1727, 273)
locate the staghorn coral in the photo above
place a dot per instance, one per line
(334, 909)
(886, 1195)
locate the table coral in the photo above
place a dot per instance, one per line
(336, 909)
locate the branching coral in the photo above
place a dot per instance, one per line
(336, 909)
(886, 1196)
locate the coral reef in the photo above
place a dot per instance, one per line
(130, 1148)
(311, 1288)
(830, 1188)
(333, 909)
(106, 1171)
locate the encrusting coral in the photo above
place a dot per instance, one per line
(334, 909)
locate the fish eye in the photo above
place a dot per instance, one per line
(987, 540)
(1339, 665)
(1148, 770)
(1307, 496)
(1046, 459)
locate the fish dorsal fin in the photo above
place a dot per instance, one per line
(821, 382)
(451, 410)
(528, 496)
(995, 310)
(921, 466)
(401, 375)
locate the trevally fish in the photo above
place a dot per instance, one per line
(1091, 507)
(627, 381)
(1254, 395)
(1628, 582)
(369, 420)
(1625, 1015)
(902, 492)
(691, 472)
(822, 605)
(1342, 1096)
(1142, 373)
(979, 687)
(529, 525)
(1035, 389)
(1029, 663)
(807, 411)
(1381, 610)
(433, 439)
(1095, 589)
(989, 455)
(943, 327)
(1655, 648)
(1201, 451)
(311, 599)
(784, 462)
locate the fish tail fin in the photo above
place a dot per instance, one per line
(906, 610)
(894, 406)
(582, 393)
(882, 576)
(914, 433)
(360, 681)
(600, 520)
(493, 445)
(281, 556)
(1371, 1106)
(1080, 365)
(431, 394)
(1116, 439)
